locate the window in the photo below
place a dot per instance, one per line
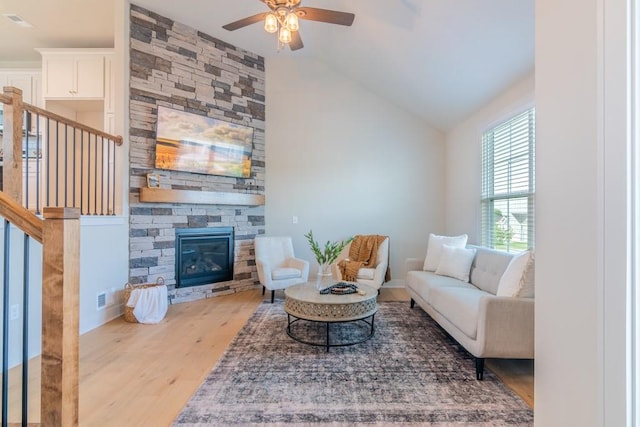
(508, 190)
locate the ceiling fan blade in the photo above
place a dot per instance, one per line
(296, 41)
(325, 15)
(245, 21)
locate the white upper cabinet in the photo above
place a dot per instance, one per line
(29, 81)
(73, 73)
(78, 76)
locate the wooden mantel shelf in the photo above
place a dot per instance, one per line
(167, 195)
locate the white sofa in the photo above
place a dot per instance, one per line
(486, 325)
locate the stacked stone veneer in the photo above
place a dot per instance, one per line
(179, 67)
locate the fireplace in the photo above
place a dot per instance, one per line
(203, 256)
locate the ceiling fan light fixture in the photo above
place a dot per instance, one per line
(283, 19)
(271, 23)
(285, 35)
(291, 22)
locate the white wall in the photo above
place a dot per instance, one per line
(463, 157)
(346, 162)
(568, 376)
(104, 267)
(619, 271)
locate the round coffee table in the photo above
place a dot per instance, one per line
(305, 302)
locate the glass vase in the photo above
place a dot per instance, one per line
(325, 277)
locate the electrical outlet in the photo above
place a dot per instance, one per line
(15, 311)
(294, 219)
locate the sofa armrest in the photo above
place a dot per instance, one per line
(506, 327)
(411, 264)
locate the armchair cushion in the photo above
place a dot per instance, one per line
(366, 273)
(285, 273)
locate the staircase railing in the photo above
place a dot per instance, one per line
(49, 160)
(59, 235)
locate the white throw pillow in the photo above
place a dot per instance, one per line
(513, 279)
(456, 262)
(527, 287)
(434, 249)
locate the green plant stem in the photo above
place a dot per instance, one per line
(331, 250)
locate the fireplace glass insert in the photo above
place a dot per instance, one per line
(203, 256)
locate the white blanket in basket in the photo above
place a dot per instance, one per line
(149, 304)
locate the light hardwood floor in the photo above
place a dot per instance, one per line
(142, 375)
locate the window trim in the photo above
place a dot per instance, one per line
(488, 238)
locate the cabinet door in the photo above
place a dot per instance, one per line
(89, 71)
(58, 77)
(22, 82)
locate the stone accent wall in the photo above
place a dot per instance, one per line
(179, 67)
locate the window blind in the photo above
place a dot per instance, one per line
(508, 184)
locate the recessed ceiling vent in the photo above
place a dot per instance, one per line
(17, 20)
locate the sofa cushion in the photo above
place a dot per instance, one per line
(434, 249)
(422, 282)
(513, 278)
(488, 267)
(460, 306)
(285, 273)
(456, 262)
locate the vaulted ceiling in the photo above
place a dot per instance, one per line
(438, 59)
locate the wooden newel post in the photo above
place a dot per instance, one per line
(12, 145)
(60, 316)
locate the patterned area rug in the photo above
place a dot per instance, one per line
(409, 373)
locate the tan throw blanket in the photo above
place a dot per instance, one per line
(362, 253)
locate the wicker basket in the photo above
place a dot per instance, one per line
(128, 287)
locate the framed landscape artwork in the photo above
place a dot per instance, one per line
(192, 143)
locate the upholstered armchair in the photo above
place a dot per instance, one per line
(373, 276)
(278, 268)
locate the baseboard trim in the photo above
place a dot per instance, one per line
(394, 284)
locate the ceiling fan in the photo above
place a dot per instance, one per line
(283, 18)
